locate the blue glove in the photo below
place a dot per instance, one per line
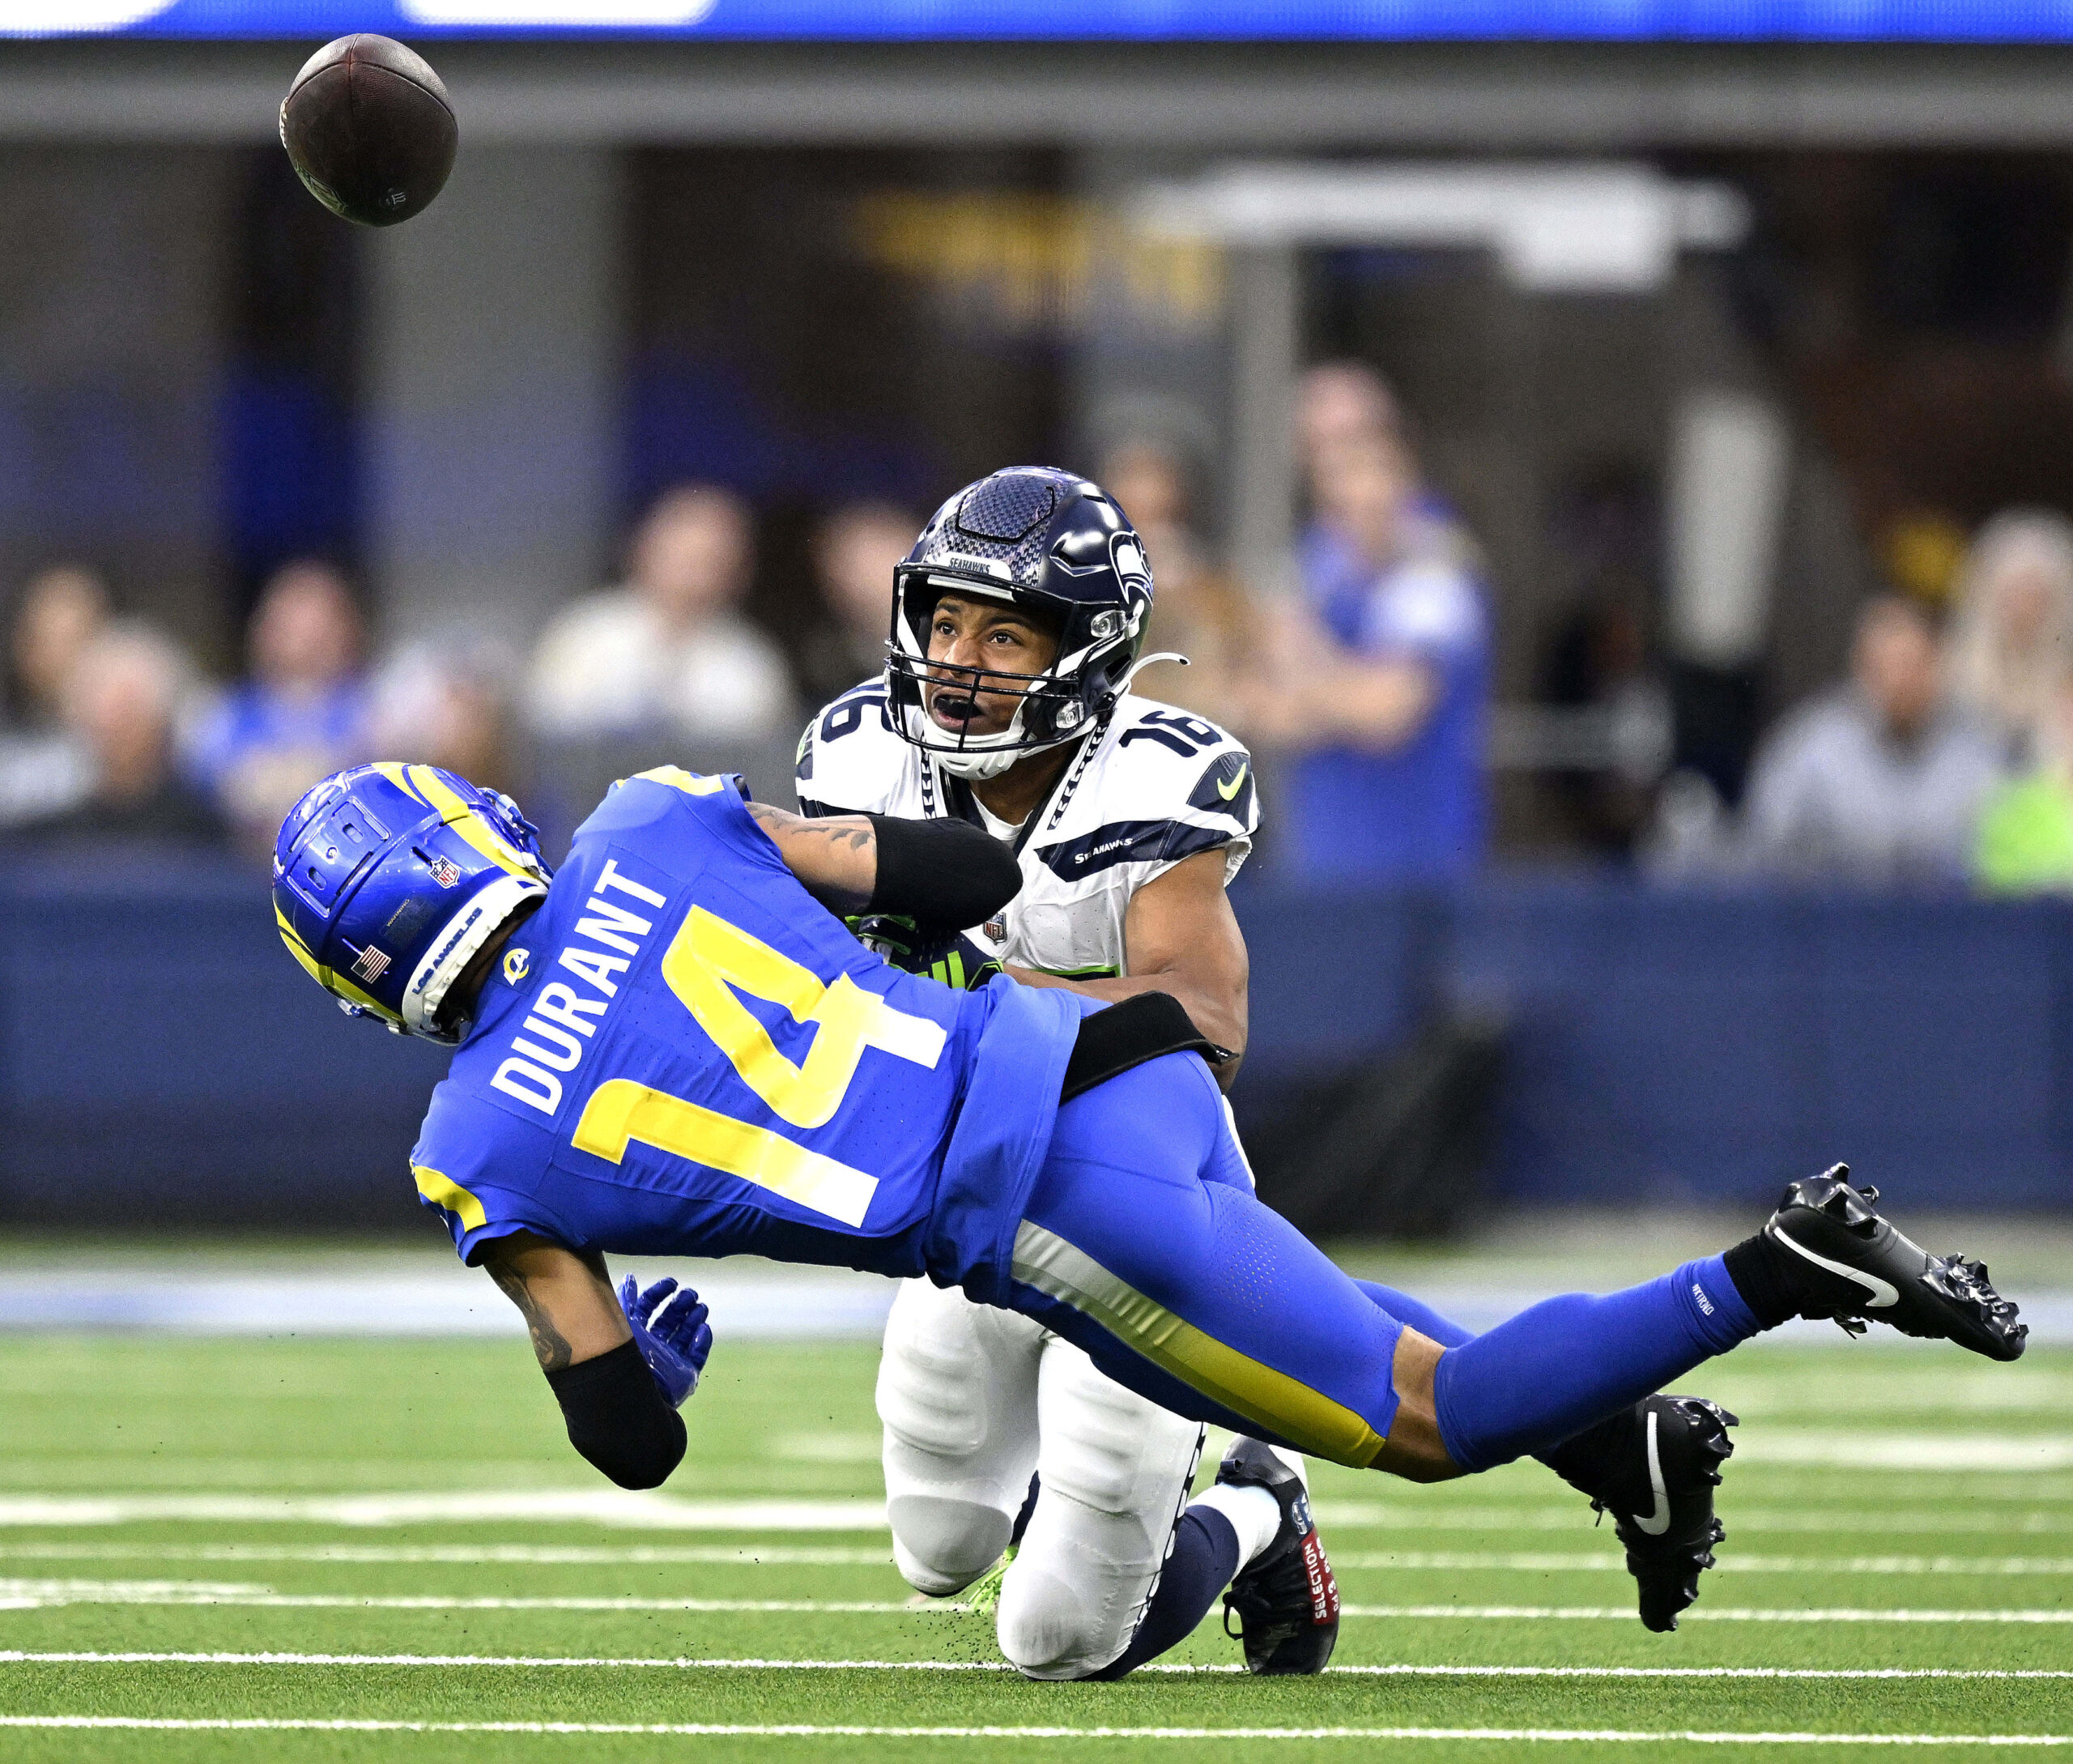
(673, 1338)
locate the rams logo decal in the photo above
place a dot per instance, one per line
(516, 962)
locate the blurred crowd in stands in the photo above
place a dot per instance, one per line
(1363, 684)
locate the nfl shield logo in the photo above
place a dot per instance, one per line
(445, 871)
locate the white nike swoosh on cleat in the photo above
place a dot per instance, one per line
(1881, 1294)
(1656, 1523)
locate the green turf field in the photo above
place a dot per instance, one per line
(370, 1513)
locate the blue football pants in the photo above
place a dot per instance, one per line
(1142, 1243)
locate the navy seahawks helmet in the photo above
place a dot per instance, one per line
(1041, 538)
(388, 879)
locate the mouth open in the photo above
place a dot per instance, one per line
(952, 709)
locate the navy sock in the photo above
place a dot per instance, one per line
(1204, 1561)
(1415, 1313)
(1554, 1370)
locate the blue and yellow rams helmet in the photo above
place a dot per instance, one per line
(388, 879)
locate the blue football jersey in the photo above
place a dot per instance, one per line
(683, 1053)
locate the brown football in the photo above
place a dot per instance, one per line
(369, 129)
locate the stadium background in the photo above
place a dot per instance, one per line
(1805, 328)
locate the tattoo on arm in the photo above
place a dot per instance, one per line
(827, 854)
(852, 831)
(549, 1347)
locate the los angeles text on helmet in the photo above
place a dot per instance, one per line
(554, 1037)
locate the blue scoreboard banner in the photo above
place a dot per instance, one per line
(917, 20)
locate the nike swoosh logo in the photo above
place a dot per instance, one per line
(1655, 1523)
(1238, 783)
(1880, 1294)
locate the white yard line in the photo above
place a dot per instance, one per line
(784, 1555)
(572, 1555)
(24, 1594)
(88, 1657)
(767, 1730)
(1703, 1614)
(613, 1508)
(2019, 1461)
(1550, 1562)
(1867, 1449)
(1383, 1515)
(621, 1511)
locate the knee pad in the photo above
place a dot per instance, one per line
(955, 1393)
(1115, 1470)
(1049, 1627)
(941, 1544)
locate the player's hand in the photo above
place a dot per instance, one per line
(955, 958)
(962, 963)
(899, 940)
(674, 1339)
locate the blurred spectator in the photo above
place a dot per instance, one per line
(2013, 642)
(1341, 403)
(446, 705)
(1196, 611)
(854, 549)
(120, 699)
(2025, 843)
(63, 610)
(1378, 678)
(302, 713)
(1880, 780)
(669, 651)
(44, 769)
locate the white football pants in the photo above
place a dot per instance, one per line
(973, 1401)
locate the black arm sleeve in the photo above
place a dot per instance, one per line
(946, 873)
(617, 1418)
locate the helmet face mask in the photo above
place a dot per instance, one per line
(1051, 543)
(387, 880)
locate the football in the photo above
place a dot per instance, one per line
(369, 129)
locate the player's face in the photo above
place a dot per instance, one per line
(980, 633)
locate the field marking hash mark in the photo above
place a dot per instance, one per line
(25, 1656)
(728, 1730)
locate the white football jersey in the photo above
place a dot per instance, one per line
(1154, 786)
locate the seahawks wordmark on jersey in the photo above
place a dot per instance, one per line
(1154, 785)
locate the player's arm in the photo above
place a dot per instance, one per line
(941, 872)
(1378, 704)
(1315, 692)
(619, 1365)
(1180, 936)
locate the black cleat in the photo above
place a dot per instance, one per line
(1286, 1598)
(1851, 1265)
(1655, 1468)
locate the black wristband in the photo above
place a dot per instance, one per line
(617, 1418)
(947, 873)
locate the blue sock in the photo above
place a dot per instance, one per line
(1554, 1370)
(1204, 1559)
(1415, 1313)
